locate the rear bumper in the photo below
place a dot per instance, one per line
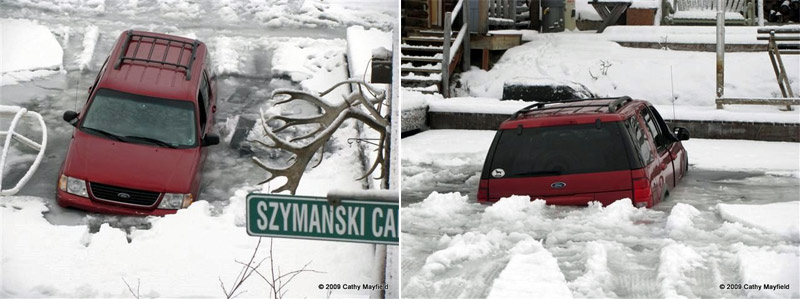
(65, 199)
(605, 198)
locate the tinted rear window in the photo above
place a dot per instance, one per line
(559, 150)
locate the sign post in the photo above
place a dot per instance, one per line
(337, 218)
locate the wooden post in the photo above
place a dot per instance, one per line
(513, 12)
(720, 51)
(483, 17)
(446, 55)
(760, 13)
(465, 62)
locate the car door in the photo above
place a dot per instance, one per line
(665, 174)
(675, 147)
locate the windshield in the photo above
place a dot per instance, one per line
(559, 150)
(141, 119)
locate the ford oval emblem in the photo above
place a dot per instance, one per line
(558, 185)
(123, 195)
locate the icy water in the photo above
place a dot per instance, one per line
(238, 93)
(633, 241)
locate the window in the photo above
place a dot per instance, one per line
(202, 100)
(560, 150)
(137, 118)
(658, 137)
(640, 140)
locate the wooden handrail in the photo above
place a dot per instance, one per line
(462, 39)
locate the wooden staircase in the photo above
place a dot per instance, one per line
(421, 61)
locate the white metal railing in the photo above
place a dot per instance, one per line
(461, 40)
(19, 112)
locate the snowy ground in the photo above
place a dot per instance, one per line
(608, 69)
(256, 46)
(710, 231)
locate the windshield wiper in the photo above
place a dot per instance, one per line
(538, 173)
(104, 133)
(152, 140)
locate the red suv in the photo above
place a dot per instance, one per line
(578, 151)
(138, 146)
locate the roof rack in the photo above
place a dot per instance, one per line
(169, 41)
(612, 107)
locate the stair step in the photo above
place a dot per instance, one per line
(430, 39)
(407, 47)
(431, 89)
(433, 33)
(414, 78)
(420, 70)
(422, 58)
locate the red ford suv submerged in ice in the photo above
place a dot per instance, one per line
(138, 146)
(577, 151)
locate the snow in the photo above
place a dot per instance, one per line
(531, 272)
(29, 50)
(580, 57)
(684, 34)
(777, 218)
(706, 15)
(743, 155)
(759, 267)
(676, 260)
(90, 37)
(680, 219)
(527, 34)
(360, 45)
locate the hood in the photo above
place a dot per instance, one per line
(131, 165)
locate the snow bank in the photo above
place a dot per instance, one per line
(683, 34)
(531, 272)
(608, 69)
(770, 274)
(777, 218)
(414, 99)
(744, 155)
(28, 51)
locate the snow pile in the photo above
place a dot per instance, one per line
(531, 272)
(679, 222)
(683, 34)
(608, 69)
(676, 261)
(743, 155)
(90, 37)
(225, 55)
(28, 50)
(302, 59)
(515, 213)
(775, 273)
(437, 147)
(777, 218)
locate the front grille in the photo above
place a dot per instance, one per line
(116, 194)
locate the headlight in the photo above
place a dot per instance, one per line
(174, 201)
(73, 186)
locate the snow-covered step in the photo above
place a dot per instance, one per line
(434, 58)
(434, 33)
(416, 78)
(431, 89)
(428, 68)
(421, 48)
(429, 39)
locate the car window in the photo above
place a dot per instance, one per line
(130, 115)
(560, 150)
(639, 140)
(649, 120)
(666, 133)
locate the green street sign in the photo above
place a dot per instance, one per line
(305, 217)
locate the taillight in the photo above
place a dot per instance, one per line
(642, 194)
(483, 191)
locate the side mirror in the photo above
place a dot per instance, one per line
(210, 139)
(71, 117)
(682, 133)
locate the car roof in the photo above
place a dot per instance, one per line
(155, 64)
(578, 111)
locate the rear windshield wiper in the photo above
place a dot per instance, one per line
(539, 173)
(153, 141)
(104, 133)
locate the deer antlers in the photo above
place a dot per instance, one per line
(329, 121)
